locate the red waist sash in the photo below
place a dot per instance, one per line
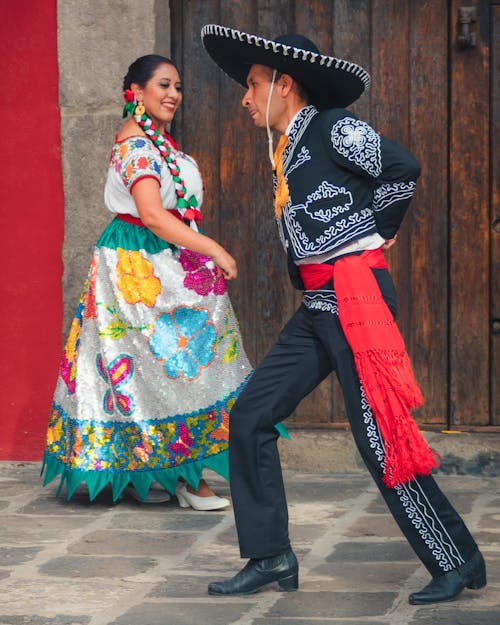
(381, 360)
(130, 219)
(190, 213)
(315, 276)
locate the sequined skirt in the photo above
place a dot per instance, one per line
(152, 365)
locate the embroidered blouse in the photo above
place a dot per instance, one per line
(136, 158)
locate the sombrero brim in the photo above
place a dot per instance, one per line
(329, 81)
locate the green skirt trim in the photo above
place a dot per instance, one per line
(141, 481)
(127, 236)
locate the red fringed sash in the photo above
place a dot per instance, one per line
(381, 359)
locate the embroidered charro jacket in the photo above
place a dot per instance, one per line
(345, 182)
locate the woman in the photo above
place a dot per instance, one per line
(154, 359)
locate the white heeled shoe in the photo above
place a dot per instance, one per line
(187, 499)
(154, 495)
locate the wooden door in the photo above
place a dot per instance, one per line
(474, 176)
(432, 96)
(495, 213)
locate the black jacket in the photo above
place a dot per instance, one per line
(345, 182)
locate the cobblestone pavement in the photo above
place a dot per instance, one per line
(76, 563)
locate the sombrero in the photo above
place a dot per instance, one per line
(329, 81)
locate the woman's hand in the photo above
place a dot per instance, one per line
(389, 242)
(146, 194)
(225, 263)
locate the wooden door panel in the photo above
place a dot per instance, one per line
(428, 219)
(495, 216)
(389, 109)
(315, 20)
(469, 236)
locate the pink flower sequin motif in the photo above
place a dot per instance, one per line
(119, 371)
(202, 275)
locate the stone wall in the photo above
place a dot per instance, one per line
(97, 41)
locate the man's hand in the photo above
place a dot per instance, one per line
(389, 242)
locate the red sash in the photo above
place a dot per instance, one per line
(130, 219)
(190, 213)
(381, 359)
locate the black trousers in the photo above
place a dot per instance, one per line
(310, 346)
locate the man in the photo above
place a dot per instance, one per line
(341, 192)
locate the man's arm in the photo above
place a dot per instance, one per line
(356, 146)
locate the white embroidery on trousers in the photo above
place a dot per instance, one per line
(415, 504)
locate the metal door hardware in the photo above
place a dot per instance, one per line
(466, 17)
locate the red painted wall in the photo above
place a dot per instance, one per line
(31, 225)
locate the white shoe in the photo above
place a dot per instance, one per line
(187, 499)
(153, 496)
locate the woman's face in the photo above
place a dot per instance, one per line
(162, 95)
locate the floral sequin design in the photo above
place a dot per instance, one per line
(232, 349)
(55, 428)
(119, 371)
(202, 275)
(184, 341)
(77, 447)
(126, 446)
(117, 328)
(69, 357)
(136, 280)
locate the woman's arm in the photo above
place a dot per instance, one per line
(146, 194)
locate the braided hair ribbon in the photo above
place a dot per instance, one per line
(187, 206)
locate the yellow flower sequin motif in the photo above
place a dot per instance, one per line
(69, 358)
(55, 429)
(136, 279)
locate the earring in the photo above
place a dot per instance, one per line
(139, 109)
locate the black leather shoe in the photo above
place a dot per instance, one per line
(256, 574)
(446, 587)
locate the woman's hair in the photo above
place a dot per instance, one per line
(143, 68)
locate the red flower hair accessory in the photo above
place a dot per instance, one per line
(129, 95)
(130, 102)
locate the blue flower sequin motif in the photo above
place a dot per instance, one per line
(184, 340)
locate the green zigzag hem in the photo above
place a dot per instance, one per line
(141, 481)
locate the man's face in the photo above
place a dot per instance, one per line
(255, 99)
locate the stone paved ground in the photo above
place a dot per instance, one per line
(128, 563)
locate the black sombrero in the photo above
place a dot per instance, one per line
(330, 82)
